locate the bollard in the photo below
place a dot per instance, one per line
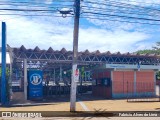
(159, 93)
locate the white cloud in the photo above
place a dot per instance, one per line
(134, 2)
(103, 40)
(21, 31)
(48, 1)
(142, 2)
(108, 10)
(39, 31)
(57, 32)
(143, 46)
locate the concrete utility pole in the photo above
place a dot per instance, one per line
(75, 55)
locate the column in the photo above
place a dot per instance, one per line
(25, 78)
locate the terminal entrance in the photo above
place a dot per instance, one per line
(56, 82)
(56, 69)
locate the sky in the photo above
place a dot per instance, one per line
(94, 34)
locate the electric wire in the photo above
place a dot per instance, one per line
(109, 10)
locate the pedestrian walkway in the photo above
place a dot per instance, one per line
(86, 103)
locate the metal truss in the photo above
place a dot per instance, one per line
(86, 57)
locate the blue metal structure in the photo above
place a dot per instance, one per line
(3, 79)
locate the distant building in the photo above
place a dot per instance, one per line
(8, 60)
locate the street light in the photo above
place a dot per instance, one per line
(65, 12)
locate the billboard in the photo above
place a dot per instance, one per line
(35, 87)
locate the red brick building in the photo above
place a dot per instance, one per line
(122, 80)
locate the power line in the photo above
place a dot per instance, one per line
(137, 2)
(90, 17)
(57, 4)
(113, 3)
(36, 6)
(121, 9)
(34, 15)
(100, 12)
(26, 10)
(122, 16)
(22, 2)
(40, 7)
(115, 11)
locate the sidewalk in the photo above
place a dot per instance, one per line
(85, 103)
(62, 106)
(88, 103)
(118, 105)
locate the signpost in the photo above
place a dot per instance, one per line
(138, 66)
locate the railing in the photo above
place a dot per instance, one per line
(49, 91)
(16, 86)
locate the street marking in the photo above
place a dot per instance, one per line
(83, 106)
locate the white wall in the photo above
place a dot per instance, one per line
(7, 58)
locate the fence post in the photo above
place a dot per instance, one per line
(127, 91)
(159, 92)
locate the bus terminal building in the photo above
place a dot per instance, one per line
(113, 75)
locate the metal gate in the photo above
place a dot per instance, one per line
(50, 91)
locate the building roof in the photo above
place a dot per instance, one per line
(86, 56)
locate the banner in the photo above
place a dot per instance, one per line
(35, 87)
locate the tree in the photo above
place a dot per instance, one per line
(157, 47)
(155, 50)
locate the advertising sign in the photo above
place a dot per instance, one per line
(75, 73)
(35, 87)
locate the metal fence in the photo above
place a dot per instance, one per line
(49, 91)
(17, 86)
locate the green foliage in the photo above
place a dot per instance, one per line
(7, 71)
(82, 72)
(155, 50)
(148, 51)
(7, 82)
(158, 75)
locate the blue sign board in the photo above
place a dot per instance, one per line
(35, 87)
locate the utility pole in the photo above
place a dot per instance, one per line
(75, 55)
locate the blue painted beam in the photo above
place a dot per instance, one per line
(3, 79)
